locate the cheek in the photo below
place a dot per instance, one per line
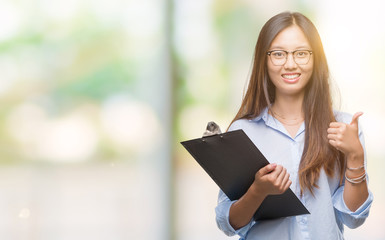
(310, 66)
(272, 70)
(307, 74)
(308, 69)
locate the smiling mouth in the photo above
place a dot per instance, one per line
(291, 76)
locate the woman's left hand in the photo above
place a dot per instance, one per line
(344, 137)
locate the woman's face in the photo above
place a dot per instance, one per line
(290, 78)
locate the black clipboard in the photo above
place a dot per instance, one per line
(231, 159)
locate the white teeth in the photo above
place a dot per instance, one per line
(291, 76)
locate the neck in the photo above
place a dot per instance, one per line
(288, 107)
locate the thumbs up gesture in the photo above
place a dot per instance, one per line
(344, 137)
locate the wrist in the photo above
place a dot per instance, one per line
(357, 178)
(255, 192)
(354, 160)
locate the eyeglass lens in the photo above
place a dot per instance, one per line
(279, 57)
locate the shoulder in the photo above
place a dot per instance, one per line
(246, 123)
(238, 124)
(343, 116)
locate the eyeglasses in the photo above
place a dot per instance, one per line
(279, 57)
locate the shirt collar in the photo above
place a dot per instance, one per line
(270, 121)
(263, 115)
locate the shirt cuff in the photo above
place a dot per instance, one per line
(348, 217)
(223, 213)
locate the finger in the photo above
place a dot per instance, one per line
(334, 137)
(285, 179)
(281, 176)
(335, 124)
(355, 118)
(276, 172)
(334, 144)
(267, 169)
(287, 185)
(333, 130)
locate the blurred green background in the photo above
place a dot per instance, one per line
(95, 97)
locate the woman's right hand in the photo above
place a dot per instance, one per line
(269, 180)
(272, 179)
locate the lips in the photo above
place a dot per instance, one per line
(291, 77)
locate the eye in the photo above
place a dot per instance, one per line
(278, 54)
(301, 54)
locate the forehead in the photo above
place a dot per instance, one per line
(290, 38)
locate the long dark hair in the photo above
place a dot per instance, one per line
(317, 103)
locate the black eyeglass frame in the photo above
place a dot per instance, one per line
(287, 55)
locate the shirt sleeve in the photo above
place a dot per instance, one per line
(222, 212)
(344, 214)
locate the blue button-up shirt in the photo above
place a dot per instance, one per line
(328, 211)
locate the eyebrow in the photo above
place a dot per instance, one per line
(299, 47)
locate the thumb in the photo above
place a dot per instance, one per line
(268, 168)
(355, 118)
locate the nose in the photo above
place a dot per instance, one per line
(290, 63)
